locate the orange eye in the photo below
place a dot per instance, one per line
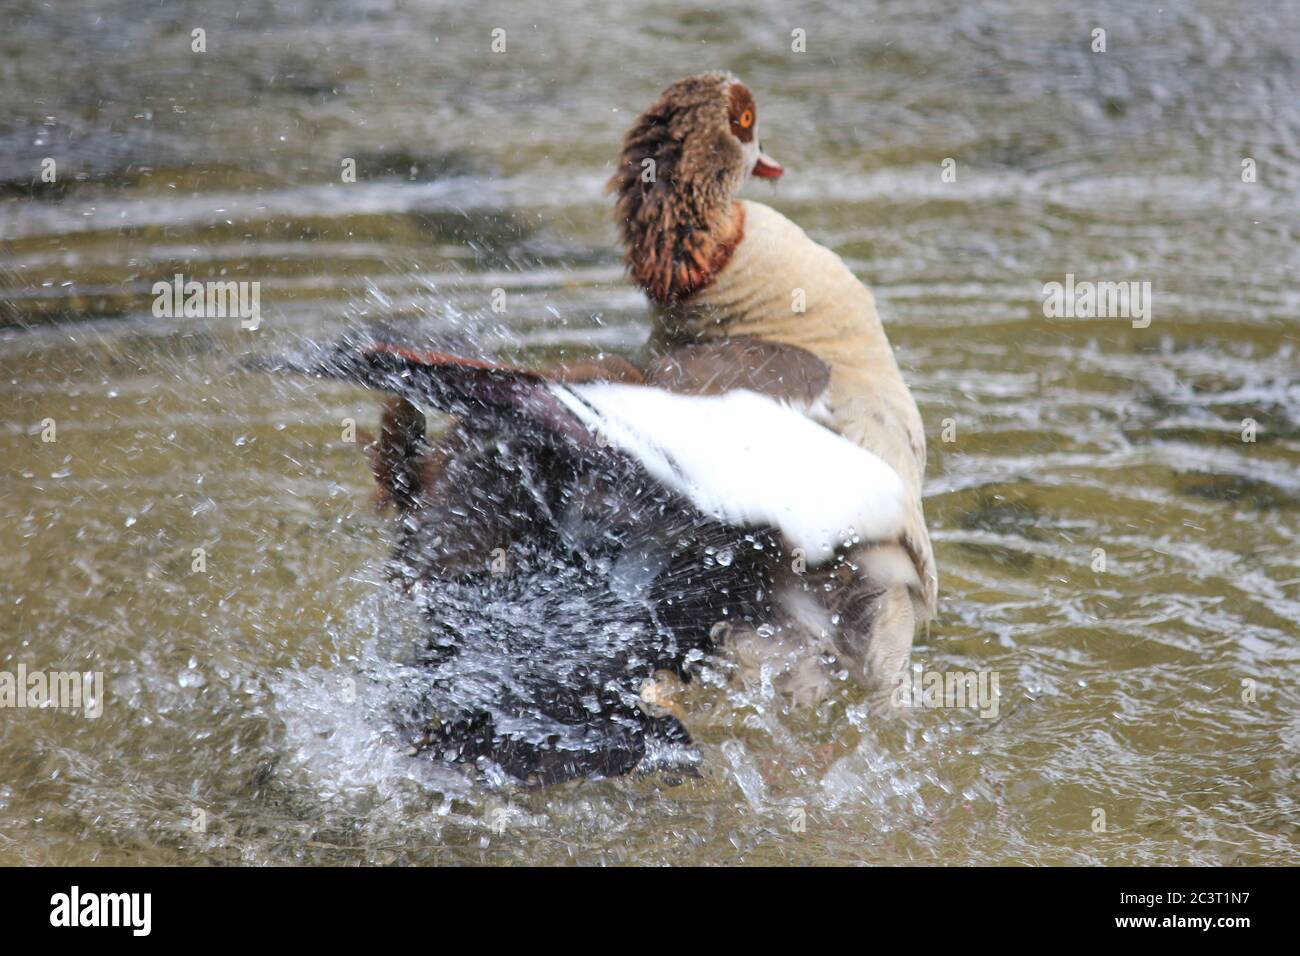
(746, 119)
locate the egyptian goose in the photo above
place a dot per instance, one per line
(754, 479)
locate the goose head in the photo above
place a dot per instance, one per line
(683, 161)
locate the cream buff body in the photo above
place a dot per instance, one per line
(757, 294)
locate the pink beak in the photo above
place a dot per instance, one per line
(767, 167)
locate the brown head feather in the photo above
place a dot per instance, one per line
(678, 219)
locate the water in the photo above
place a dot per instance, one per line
(248, 708)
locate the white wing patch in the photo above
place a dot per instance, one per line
(749, 461)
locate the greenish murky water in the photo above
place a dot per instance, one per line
(246, 707)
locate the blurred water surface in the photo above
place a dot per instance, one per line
(261, 692)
